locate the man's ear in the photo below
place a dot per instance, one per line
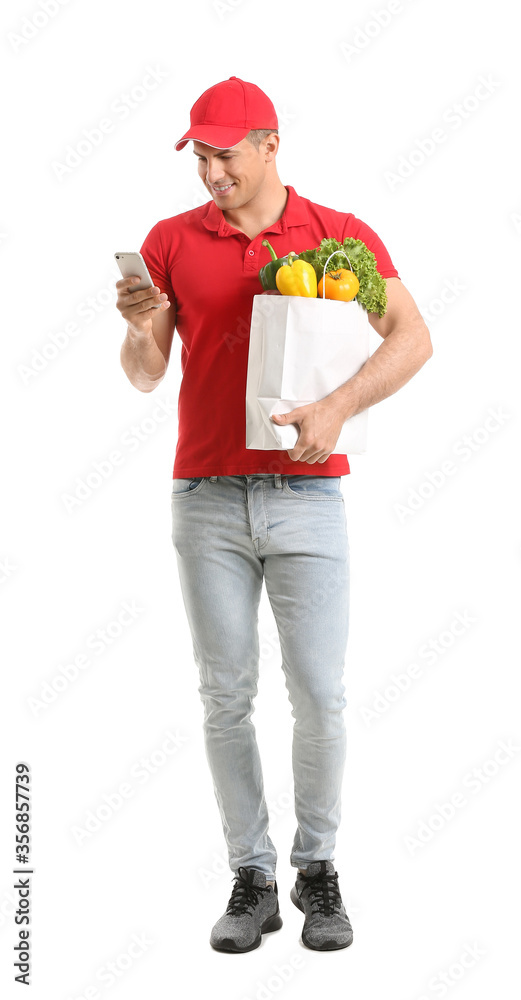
(271, 147)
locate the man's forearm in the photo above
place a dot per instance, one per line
(398, 358)
(142, 361)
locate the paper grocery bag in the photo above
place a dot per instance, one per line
(300, 350)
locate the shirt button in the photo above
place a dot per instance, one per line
(251, 253)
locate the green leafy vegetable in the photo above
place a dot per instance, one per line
(372, 294)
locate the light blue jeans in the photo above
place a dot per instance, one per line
(230, 533)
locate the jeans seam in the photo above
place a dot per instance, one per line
(265, 505)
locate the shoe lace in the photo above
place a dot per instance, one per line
(324, 893)
(244, 896)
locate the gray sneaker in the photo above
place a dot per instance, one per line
(317, 894)
(252, 911)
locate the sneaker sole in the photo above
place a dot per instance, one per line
(327, 945)
(273, 923)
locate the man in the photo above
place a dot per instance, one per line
(242, 516)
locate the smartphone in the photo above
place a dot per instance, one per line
(131, 264)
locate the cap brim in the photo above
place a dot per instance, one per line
(219, 136)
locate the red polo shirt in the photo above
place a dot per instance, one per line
(211, 272)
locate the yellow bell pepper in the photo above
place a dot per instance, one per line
(297, 277)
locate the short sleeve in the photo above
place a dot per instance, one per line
(153, 255)
(360, 231)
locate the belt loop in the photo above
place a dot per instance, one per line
(213, 479)
(278, 480)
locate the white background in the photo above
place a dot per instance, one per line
(156, 866)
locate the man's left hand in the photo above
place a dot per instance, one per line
(319, 426)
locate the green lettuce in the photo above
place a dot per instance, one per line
(372, 294)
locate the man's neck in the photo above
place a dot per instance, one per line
(254, 219)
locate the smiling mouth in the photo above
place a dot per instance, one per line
(222, 190)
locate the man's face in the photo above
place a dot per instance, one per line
(232, 176)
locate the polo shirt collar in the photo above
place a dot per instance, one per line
(294, 214)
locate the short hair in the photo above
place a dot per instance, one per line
(256, 135)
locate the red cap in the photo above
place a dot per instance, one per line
(226, 112)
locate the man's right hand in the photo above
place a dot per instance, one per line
(137, 308)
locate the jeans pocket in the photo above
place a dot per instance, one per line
(185, 487)
(313, 487)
